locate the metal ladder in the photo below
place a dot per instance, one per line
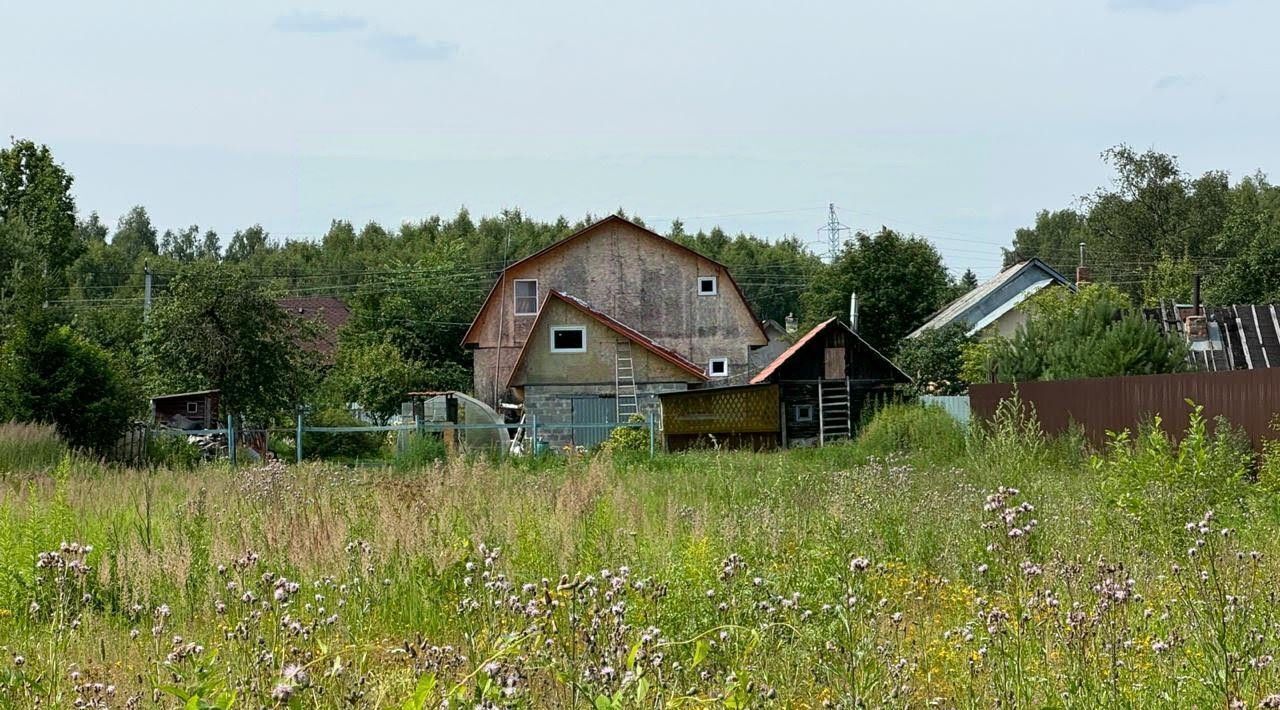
(624, 381)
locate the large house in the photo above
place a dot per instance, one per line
(597, 324)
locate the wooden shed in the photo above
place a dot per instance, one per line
(187, 410)
(825, 380)
(741, 417)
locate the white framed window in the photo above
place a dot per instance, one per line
(193, 407)
(802, 412)
(718, 367)
(526, 296)
(568, 339)
(707, 286)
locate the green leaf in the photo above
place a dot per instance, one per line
(426, 685)
(642, 689)
(700, 651)
(176, 692)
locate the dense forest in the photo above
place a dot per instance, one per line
(75, 335)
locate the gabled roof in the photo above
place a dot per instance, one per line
(611, 219)
(778, 362)
(635, 336)
(983, 305)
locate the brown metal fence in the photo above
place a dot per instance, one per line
(1249, 399)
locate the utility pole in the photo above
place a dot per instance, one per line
(146, 289)
(836, 232)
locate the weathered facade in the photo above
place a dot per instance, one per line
(680, 300)
(567, 372)
(187, 410)
(827, 378)
(779, 341)
(812, 393)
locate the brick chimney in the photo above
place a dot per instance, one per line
(1082, 271)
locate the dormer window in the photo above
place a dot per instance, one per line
(526, 297)
(707, 286)
(718, 367)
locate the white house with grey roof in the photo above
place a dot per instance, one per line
(992, 306)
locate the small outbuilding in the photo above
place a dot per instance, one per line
(813, 393)
(187, 410)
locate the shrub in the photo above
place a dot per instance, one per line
(1090, 334)
(29, 447)
(934, 359)
(1269, 471)
(1202, 469)
(629, 439)
(1013, 437)
(173, 451)
(911, 428)
(52, 375)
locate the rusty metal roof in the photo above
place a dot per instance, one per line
(796, 347)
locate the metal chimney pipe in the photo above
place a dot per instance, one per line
(853, 312)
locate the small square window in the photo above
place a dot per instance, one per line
(570, 339)
(193, 407)
(707, 286)
(526, 297)
(718, 367)
(803, 412)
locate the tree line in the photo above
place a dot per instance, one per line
(76, 348)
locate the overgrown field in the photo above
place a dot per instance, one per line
(916, 567)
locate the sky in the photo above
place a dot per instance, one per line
(956, 121)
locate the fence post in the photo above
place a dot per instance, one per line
(231, 438)
(648, 418)
(533, 434)
(297, 437)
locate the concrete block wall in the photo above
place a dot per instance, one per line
(553, 404)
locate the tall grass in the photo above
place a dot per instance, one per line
(919, 566)
(29, 447)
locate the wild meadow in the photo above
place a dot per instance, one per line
(919, 566)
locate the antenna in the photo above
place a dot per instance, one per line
(836, 232)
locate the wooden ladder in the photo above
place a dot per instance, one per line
(624, 381)
(835, 413)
